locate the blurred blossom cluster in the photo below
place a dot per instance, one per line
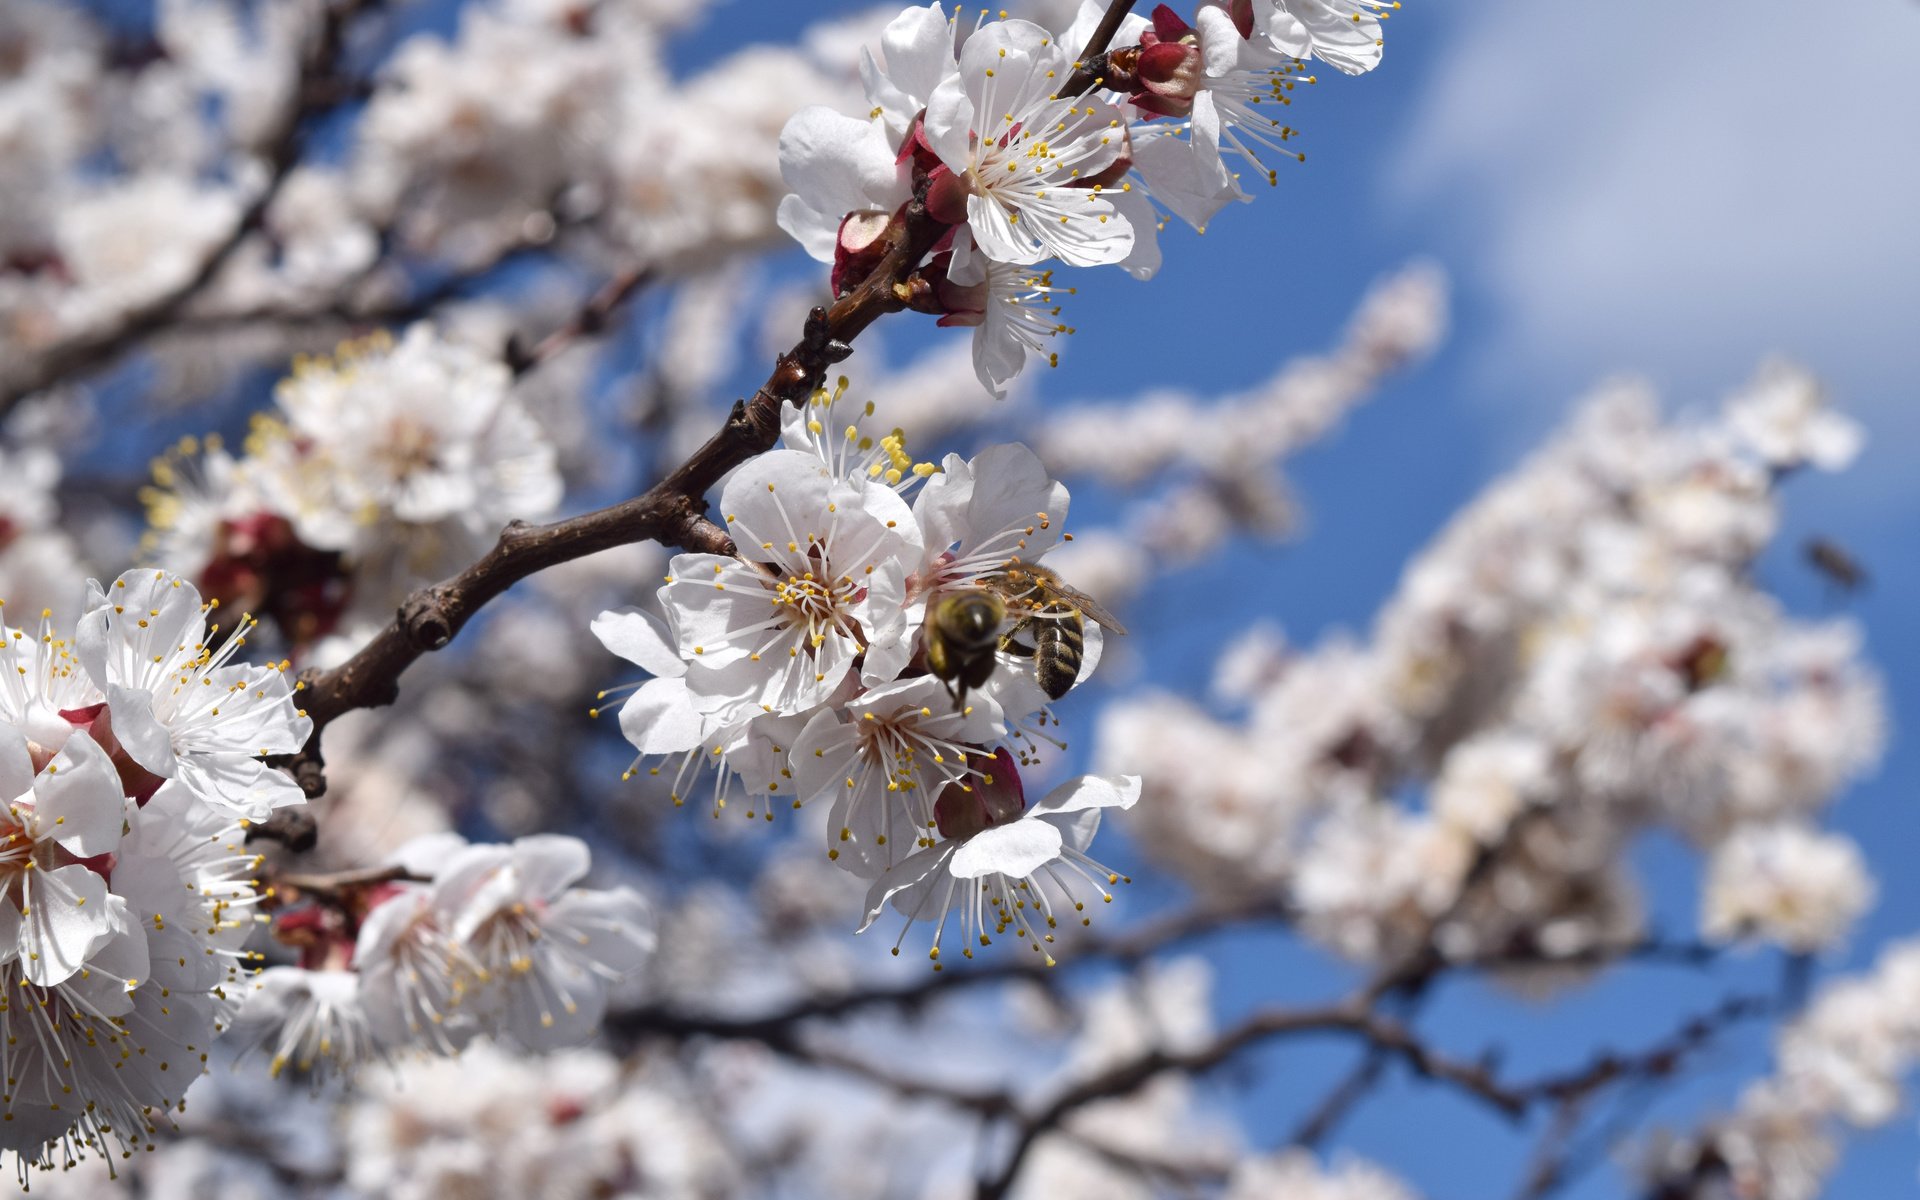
(1844, 1061)
(294, 902)
(382, 466)
(1582, 654)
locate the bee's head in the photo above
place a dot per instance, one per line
(973, 618)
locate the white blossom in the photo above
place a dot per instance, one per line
(1344, 34)
(1783, 418)
(546, 951)
(407, 456)
(779, 627)
(313, 1021)
(1786, 883)
(1024, 158)
(886, 758)
(1003, 865)
(180, 705)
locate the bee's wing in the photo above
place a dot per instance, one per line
(1090, 607)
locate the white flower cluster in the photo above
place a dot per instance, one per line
(983, 130)
(1844, 1061)
(541, 111)
(130, 762)
(895, 659)
(80, 246)
(1582, 654)
(388, 465)
(471, 940)
(491, 1125)
(529, 118)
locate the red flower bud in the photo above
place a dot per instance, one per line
(1171, 69)
(862, 244)
(993, 795)
(947, 195)
(1169, 27)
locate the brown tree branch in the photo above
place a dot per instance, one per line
(1391, 1040)
(1350, 1019)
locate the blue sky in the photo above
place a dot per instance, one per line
(1667, 190)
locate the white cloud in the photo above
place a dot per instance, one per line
(1676, 186)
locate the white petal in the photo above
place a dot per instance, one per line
(999, 236)
(1189, 178)
(816, 229)
(255, 714)
(941, 507)
(1143, 259)
(890, 634)
(78, 801)
(998, 354)
(919, 48)
(1282, 29)
(613, 928)
(949, 124)
(1339, 40)
(138, 731)
(549, 863)
(640, 638)
(1011, 488)
(1090, 791)
(67, 915)
(245, 787)
(1074, 38)
(426, 854)
(896, 108)
(1016, 849)
(119, 958)
(660, 718)
(838, 164)
(16, 765)
(921, 868)
(474, 886)
(821, 753)
(1220, 40)
(777, 497)
(135, 630)
(389, 921)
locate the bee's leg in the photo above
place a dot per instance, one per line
(1009, 646)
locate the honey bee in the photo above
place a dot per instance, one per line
(1044, 612)
(963, 633)
(1832, 560)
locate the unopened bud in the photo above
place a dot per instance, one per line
(956, 303)
(947, 195)
(861, 246)
(1169, 26)
(991, 796)
(1171, 69)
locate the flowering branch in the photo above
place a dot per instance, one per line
(672, 512)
